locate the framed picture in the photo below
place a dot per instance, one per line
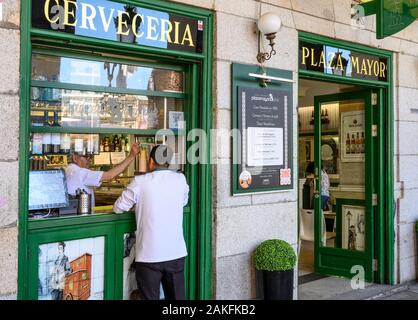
(352, 136)
(351, 214)
(71, 270)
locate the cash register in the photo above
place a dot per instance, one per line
(48, 195)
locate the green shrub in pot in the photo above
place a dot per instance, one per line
(276, 260)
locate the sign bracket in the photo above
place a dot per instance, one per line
(264, 78)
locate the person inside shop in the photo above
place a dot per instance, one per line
(324, 189)
(79, 176)
(309, 186)
(159, 197)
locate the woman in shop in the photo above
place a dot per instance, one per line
(309, 187)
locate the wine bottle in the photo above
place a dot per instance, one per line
(55, 137)
(65, 146)
(37, 143)
(353, 144)
(127, 148)
(362, 142)
(347, 144)
(46, 137)
(79, 146)
(96, 144)
(358, 143)
(106, 144)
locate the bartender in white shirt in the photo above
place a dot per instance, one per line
(79, 176)
(159, 197)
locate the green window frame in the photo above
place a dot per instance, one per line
(198, 66)
(383, 113)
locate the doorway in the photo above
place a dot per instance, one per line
(337, 185)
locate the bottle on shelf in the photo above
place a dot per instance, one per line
(126, 145)
(46, 137)
(79, 145)
(358, 143)
(112, 144)
(347, 144)
(143, 160)
(55, 137)
(96, 144)
(65, 146)
(102, 145)
(116, 143)
(37, 139)
(353, 144)
(106, 144)
(90, 144)
(362, 143)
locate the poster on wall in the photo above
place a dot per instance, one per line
(130, 286)
(71, 270)
(353, 225)
(129, 280)
(352, 136)
(264, 122)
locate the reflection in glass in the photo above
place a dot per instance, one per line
(343, 177)
(101, 110)
(103, 73)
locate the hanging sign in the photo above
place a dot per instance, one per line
(392, 16)
(341, 62)
(110, 20)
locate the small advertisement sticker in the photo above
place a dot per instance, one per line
(245, 179)
(285, 177)
(200, 25)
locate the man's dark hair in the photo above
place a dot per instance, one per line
(161, 154)
(61, 243)
(311, 167)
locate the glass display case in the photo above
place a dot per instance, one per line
(99, 109)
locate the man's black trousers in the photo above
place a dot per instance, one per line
(169, 273)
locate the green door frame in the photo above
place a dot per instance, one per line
(335, 260)
(384, 151)
(200, 69)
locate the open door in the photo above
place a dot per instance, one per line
(344, 226)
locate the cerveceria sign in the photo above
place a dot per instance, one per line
(119, 22)
(341, 62)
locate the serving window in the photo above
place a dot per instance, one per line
(99, 108)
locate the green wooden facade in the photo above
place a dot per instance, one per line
(198, 99)
(381, 164)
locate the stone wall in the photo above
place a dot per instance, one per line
(240, 223)
(9, 146)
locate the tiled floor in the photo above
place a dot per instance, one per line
(306, 258)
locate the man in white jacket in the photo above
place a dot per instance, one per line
(159, 197)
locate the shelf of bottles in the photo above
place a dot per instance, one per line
(80, 106)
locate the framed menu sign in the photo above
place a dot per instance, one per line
(263, 153)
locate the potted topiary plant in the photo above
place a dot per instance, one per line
(275, 259)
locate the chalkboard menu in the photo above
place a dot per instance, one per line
(264, 120)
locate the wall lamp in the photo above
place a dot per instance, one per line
(268, 25)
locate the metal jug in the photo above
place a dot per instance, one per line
(84, 202)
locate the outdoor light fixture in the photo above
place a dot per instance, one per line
(268, 25)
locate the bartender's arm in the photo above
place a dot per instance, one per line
(117, 170)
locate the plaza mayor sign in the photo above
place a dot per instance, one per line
(341, 62)
(110, 20)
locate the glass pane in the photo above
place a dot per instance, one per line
(343, 173)
(72, 108)
(108, 74)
